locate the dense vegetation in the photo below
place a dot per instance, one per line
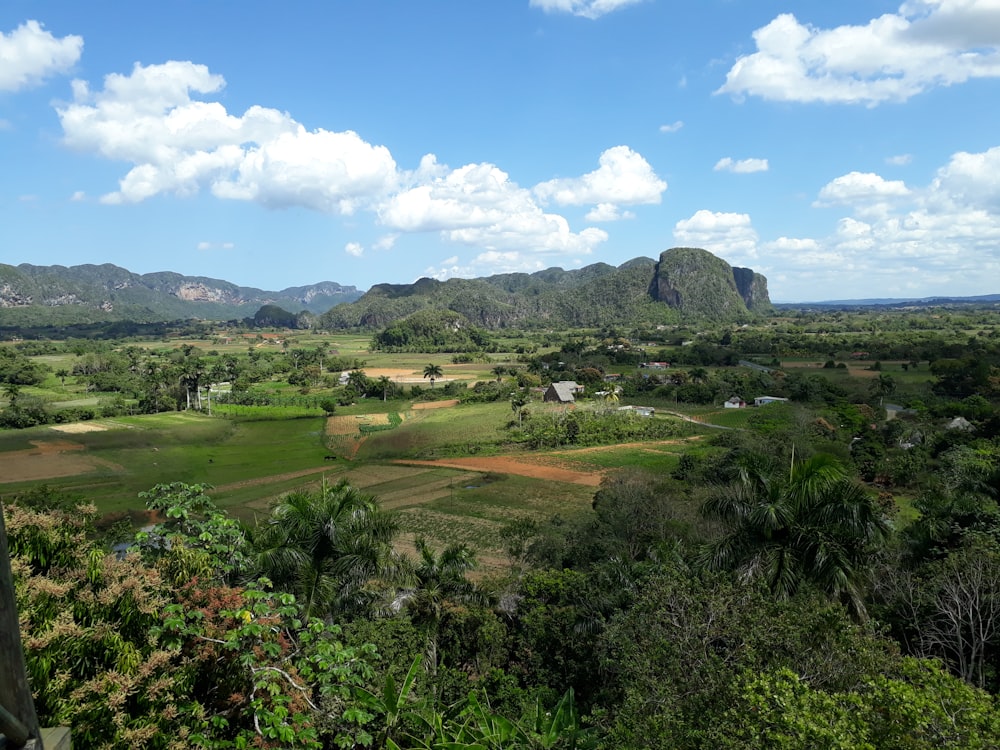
(824, 573)
(53, 295)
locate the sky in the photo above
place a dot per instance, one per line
(845, 150)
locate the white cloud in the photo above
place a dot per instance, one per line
(926, 44)
(164, 122)
(867, 192)
(206, 246)
(78, 196)
(355, 249)
(672, 128)
(729, 235)
(583, 8)
(624, 177)
(479, 205)
(607, 212)
(385, 242)
(899, 160)
(741, 166)
(30, 54)
(181, 145)
(972, 180)
(900, 240)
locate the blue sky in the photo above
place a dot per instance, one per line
(844, 150)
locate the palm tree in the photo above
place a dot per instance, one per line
(11, 391)
(884, 385)
(814, 524)
(439, 578)
(433, 372)
(386, 384)
(518, 401)
(327, 548)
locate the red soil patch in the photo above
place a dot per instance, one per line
(47, 460)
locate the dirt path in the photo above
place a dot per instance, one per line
(509, 465)
(551, 466)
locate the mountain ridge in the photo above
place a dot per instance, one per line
(103, 292)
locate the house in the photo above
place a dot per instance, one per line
(764, 400)
(563, 392)
(735, 403)
(655, 365)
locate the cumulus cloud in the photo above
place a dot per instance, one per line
(971, 180)
(181, 145)
(206, 246)
(607, 212)
(166, 123)
(78, 196)
(730, 235)
(926, 44)
(354, 248)
(479, 205)
(583, 8)
(899, 160)
(672, 128)
(741, 166)
(900, 240)
(623, 177)
(30, 54)
(868, 193)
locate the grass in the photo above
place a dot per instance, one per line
(655, 458)
(138, 452)
(434, 433)
(474, 507)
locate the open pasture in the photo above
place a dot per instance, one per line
(110, 466)
(450, 506)
(433, 433)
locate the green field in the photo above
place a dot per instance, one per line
(253, 459)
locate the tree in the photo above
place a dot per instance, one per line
(327, 547)
(386, 384)
(128, 659)
(433, 372)
(884, 385)
(439, 578)
(813, 524)
(518, 400)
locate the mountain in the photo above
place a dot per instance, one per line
(93, 293)
(702, 285)
(686, 283)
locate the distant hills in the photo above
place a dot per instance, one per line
(33, 295)
(982, 299)
(684, 283)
